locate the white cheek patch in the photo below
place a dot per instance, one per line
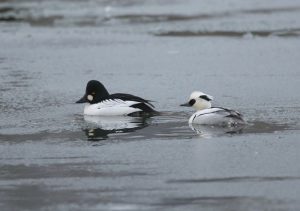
(90, 97)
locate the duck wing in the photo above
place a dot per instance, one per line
(141, 103)
(229, 113)
(129, 97)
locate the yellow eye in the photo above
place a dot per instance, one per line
(93, 93)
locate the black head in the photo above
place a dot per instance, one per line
(94, 93)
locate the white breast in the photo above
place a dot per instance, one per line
(111, 107)
(216, 116)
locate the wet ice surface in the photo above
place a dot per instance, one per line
(245, 54)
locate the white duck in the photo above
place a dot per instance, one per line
(208, 115)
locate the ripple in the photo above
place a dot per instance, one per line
(221, 33)
(235, 179)
(216, 202)
(145, 129)
(14, 172)
(99, 13)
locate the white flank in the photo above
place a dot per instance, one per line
(214, 116)
(114, 107)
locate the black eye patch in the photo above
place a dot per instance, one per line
(192, 102)
(204, 97)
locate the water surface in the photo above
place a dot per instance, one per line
(245, 54)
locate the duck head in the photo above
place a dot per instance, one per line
(95, 92)
(199, 101)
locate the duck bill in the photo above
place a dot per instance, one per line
(186, 104)
(82, 100)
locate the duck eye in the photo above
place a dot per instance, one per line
(204, 97)
(192, 102)
(93, 93)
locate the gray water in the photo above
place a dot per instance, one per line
(244, 53)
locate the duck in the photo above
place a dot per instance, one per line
(208, 115)
(100, 103)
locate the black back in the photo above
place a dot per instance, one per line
(144, 105)
(129, 97)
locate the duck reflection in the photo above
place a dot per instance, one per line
(102, 127)
(208, 131)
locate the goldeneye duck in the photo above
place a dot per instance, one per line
(101, 103)
(208, 115)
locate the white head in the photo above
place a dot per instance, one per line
(199, 100)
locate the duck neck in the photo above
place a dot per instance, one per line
(203, 105)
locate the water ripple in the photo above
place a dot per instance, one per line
(236, 179)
